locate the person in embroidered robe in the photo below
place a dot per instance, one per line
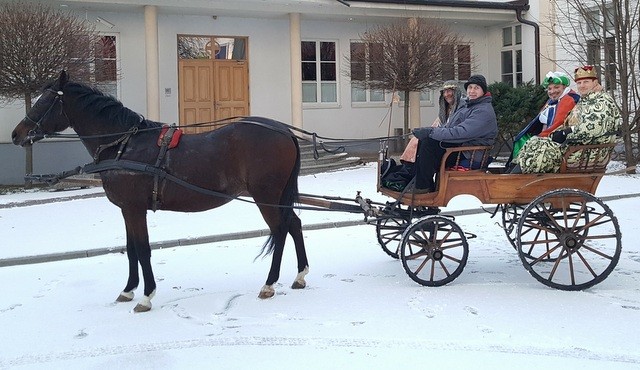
(594, 120)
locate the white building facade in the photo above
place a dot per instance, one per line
(291, 58)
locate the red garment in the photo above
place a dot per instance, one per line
(565, 105)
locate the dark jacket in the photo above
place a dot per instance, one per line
(475, 124)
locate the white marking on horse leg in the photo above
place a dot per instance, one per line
(267, 291)
(145, 303)
(299, 282)
(125, 296)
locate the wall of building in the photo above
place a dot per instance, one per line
(269, 78)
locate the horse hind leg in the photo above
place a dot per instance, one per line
(276, 244)
(295, 230)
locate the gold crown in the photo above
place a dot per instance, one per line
(585, 72)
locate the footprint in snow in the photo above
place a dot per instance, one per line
(471, 310)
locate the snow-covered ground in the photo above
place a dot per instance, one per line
(359, 311)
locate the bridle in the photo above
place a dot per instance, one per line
(37, 132)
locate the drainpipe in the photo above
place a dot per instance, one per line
(536, 30)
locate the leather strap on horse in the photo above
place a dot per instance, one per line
(122, 140)
(165, 141)
(123, 164)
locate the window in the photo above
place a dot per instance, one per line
(456, 62)
(426, 97)
(511, 55)
(102, 70)
(601, 47)
(319, 72)
(365, 61)
(106, 69)
(212, 47)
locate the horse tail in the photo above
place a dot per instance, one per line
(287, 199)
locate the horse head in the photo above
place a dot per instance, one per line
(45, 116)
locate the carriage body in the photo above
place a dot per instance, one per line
(566, 237)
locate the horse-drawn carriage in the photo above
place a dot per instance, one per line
(566, 237)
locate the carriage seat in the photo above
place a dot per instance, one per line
(587, 158)
(462, 163)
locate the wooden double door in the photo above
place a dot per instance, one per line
(210, 90)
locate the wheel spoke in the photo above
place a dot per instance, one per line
(443, 250)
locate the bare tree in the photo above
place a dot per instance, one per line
(36, 43)
(408, 56)
(606, 34)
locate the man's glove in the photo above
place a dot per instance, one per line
(422, 133)
(560, 136)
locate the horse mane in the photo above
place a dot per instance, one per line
(107, 107)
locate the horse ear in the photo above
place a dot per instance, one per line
(62, 79)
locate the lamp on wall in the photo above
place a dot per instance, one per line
(105, 22)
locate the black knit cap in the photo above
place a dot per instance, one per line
(478, 80)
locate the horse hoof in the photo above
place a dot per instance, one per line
(125, 297)
(298, 285)
(299, 282)
(267, 291)
(141, 308)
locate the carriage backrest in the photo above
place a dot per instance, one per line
(587, 158)
(480, 155)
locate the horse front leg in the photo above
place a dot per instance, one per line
(138, 251)
(134, 278)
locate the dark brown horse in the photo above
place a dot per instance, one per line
(256, 156)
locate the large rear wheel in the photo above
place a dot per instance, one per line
(568, 239)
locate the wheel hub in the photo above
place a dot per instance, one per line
(569, 240)
(437, 255)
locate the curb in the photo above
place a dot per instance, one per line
(62, 256)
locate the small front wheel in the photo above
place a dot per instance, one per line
(389, 232)
(434, 250)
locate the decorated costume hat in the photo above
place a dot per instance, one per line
(477, 80)
(584, 72)
(557, 78)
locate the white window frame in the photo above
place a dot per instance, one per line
(515, 49)
(117, 60)
(457, 63)
(602, 37)
(318, 83)
(368, 93)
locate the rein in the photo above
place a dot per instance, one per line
(124, 164)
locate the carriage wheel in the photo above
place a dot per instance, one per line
(510, 216)
(568, 239)
(389, 231)
(434, 250)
